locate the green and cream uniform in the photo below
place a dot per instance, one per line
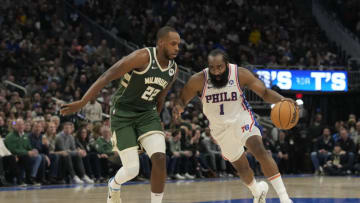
(134, 112)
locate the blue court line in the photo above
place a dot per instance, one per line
(296, 200)
(47, 187)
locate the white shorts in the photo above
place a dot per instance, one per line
(231, 138)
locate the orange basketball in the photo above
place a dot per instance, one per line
(285, 115)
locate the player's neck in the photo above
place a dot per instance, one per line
(163, 61)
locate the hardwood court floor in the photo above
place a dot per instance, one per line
(205, 191)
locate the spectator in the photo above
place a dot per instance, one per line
(108, 158)
(65, 142)
(322, 151)
(338, 162)
(213, 154)
(283, 148)
(348, 146)
(93, 111)
(3, 128)
(355, 136)
(315, 128)
(270, 145)
(145, 170)
(29, 159)
(49, 140)
(36, 141)
(91, 161)
(175, 159)
(7, 163)
(56, 121)
(351, 123)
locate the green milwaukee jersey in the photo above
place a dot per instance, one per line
(138, 91)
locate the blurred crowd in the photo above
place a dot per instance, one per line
(257, 32)
(348, 12)
(54, 61)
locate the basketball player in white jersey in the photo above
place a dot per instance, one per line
(232, 123)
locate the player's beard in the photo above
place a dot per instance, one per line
(167, 54)
(220, 81)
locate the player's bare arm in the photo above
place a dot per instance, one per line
(248, 79)
(191, 89)
(137, 60)
(163, 93)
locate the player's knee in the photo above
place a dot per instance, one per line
(158, 159)
(132, 170)
(260, 153)
(154, 144)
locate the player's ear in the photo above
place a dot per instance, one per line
(161, 42)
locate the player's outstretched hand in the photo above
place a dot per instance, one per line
(72, 107)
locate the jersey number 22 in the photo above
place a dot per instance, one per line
(150, 93)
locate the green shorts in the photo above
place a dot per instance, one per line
(128, 127)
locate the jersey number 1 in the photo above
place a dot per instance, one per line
(150, 93)
(221, 109)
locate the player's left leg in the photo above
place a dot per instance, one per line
(154, 146)
(256, 147)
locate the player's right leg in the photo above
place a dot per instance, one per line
(270, 169)
(258, 189)
(154, 146)
(128, 151)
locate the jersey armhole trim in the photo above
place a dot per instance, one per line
(237, 79)
(147, 68)
(205, 84)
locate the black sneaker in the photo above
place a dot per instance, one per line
(32, 182)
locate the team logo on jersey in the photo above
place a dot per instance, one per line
(231, 82)
(171, 72)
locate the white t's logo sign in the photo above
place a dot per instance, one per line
(337, 80)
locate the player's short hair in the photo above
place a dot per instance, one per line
(216, 52)
(162, 32)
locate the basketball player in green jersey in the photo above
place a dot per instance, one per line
(145, 76)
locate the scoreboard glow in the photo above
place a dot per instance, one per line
(327, 81)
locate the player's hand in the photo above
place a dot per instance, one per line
(72, 107)
(290, 100)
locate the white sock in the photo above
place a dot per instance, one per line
(119, 179)
(156, 197)
(279, 187)
(254, 188)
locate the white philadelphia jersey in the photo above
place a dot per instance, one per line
(228, 104)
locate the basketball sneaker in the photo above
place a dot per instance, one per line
(113, 194)
(286, 201)
(264, 187)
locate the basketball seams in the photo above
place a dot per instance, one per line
(280, 115)
(290, 117)
(290, 113)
